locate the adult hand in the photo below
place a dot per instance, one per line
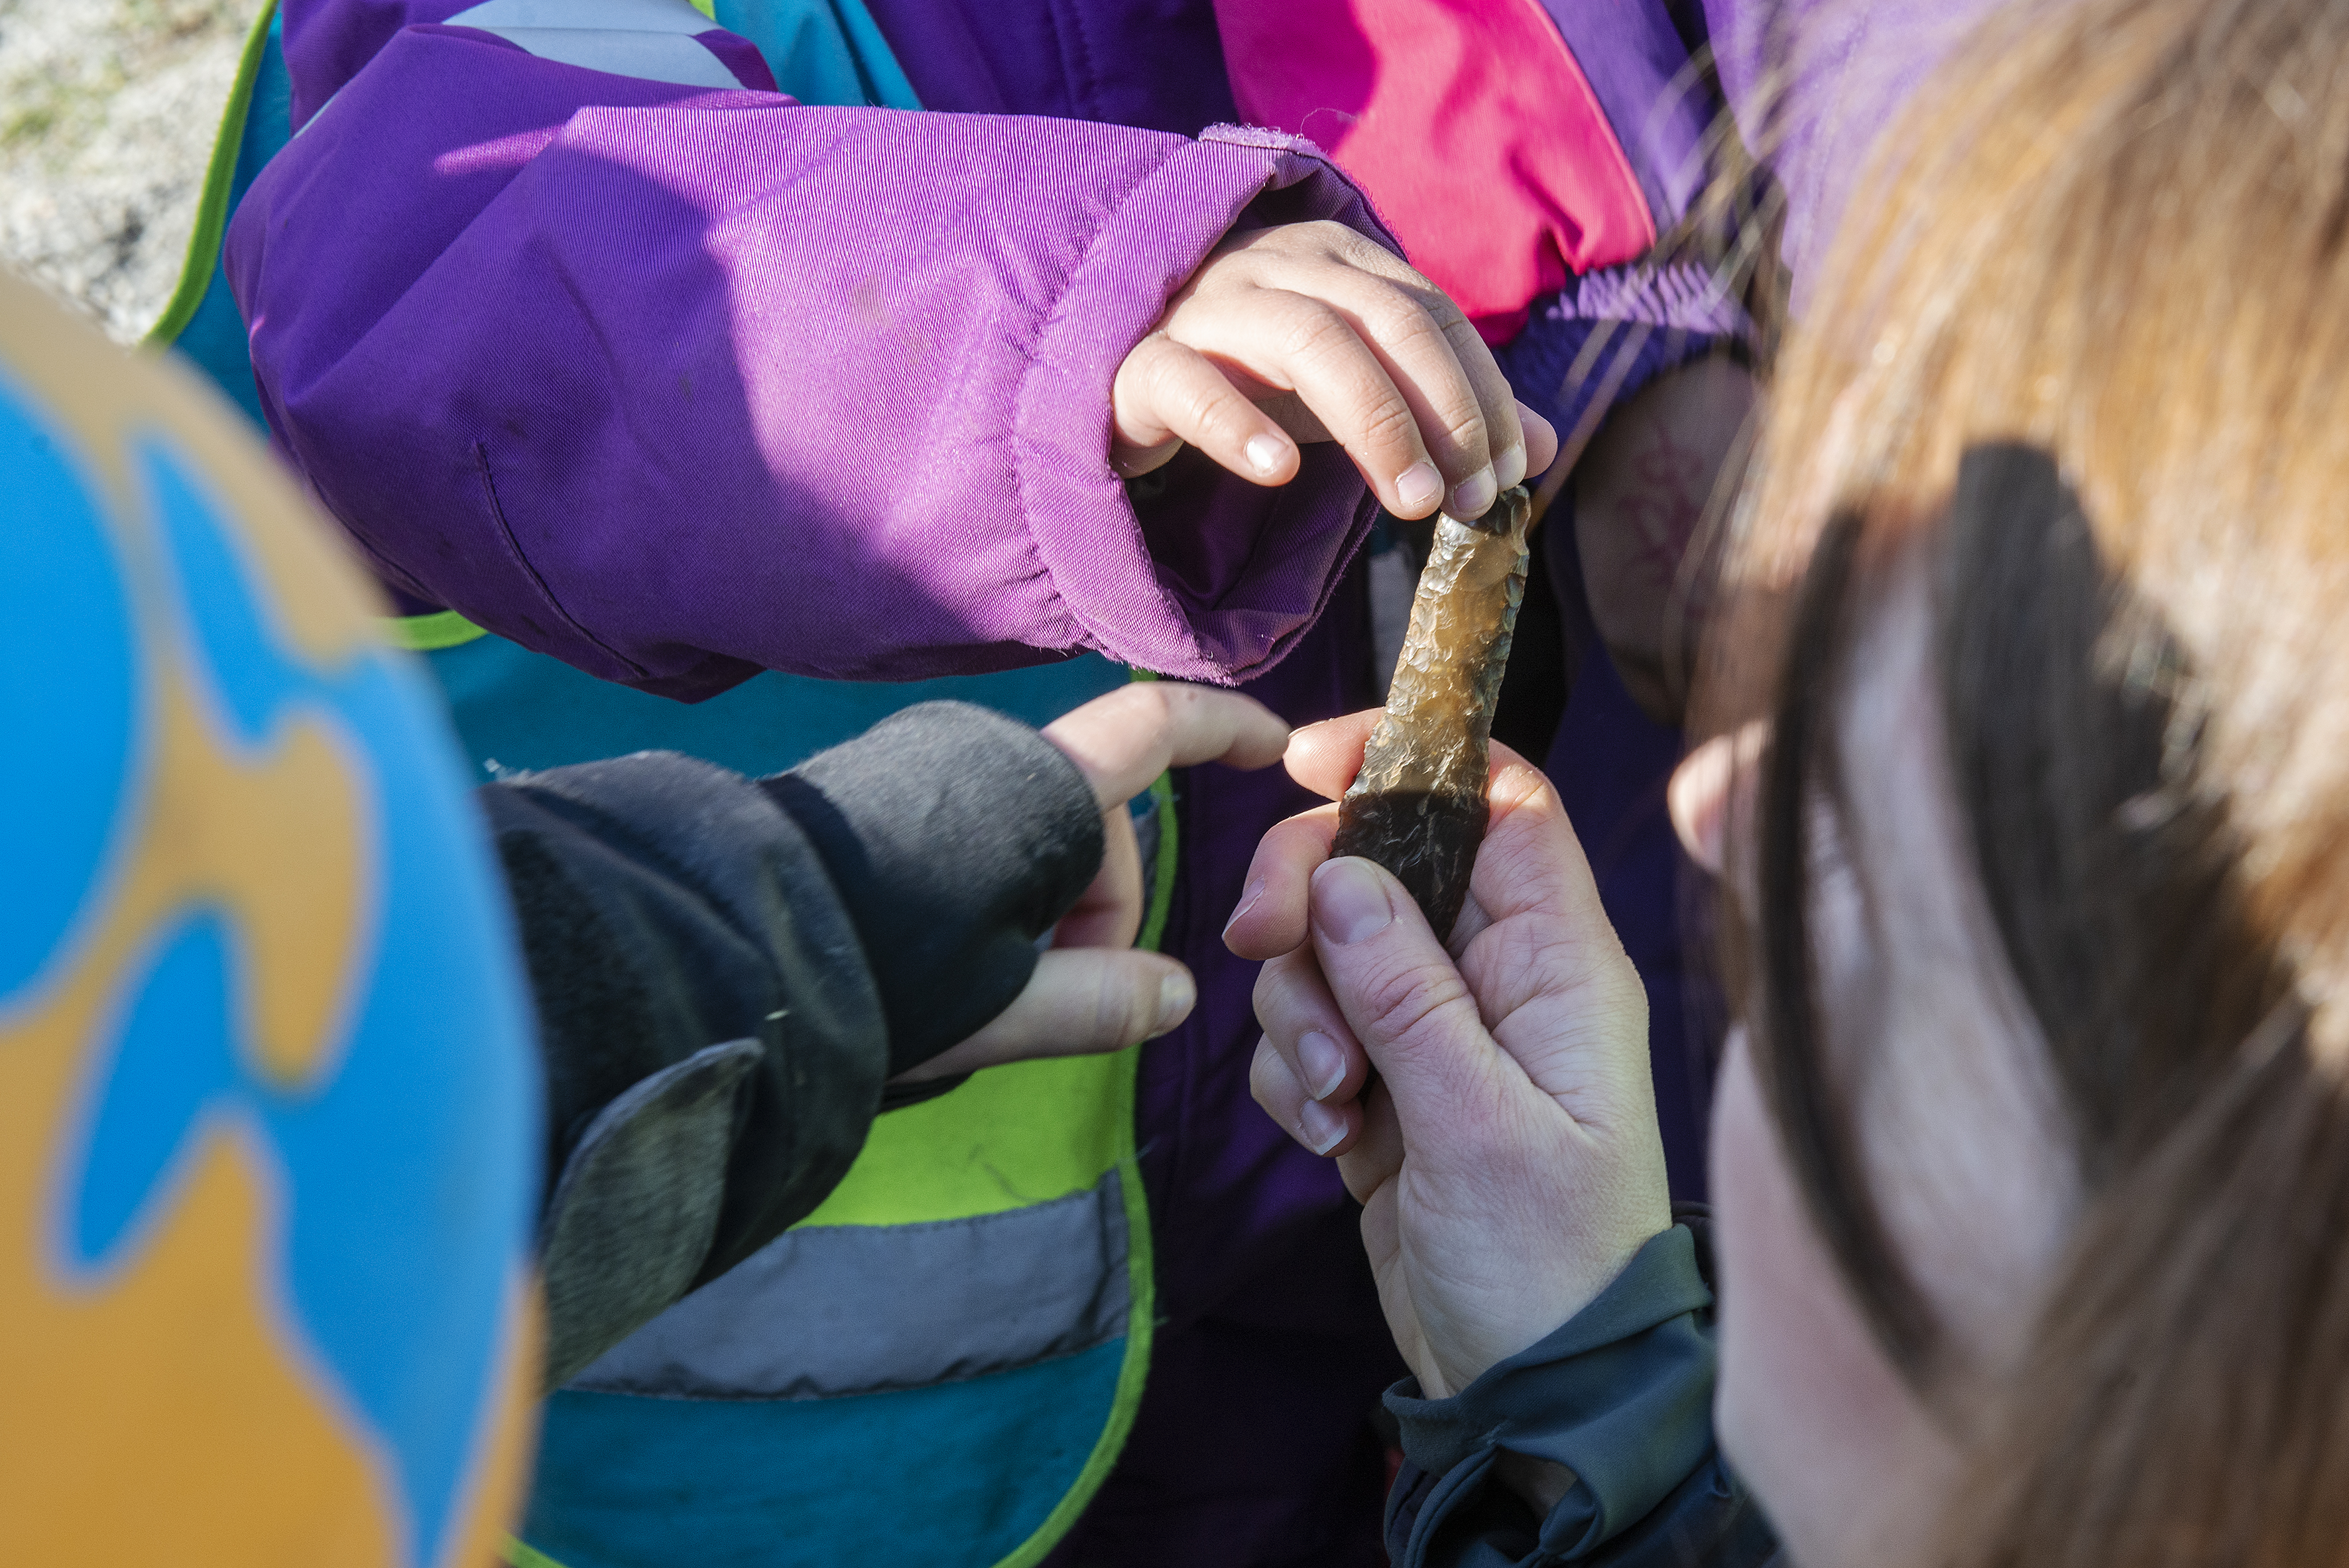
(1311, 332)
(1507, 1157)
(1091, 992)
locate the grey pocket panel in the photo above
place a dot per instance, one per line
(861, 1309)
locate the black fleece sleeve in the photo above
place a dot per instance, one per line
(957, 838)
(726, 971)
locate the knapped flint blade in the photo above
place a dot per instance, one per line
(1418, 807)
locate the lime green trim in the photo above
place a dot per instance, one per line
(427, 634)
(707, 7)
(1142, 1264)
(1141, 1323)
(1162, 887)
(521, 1554)
(212, 205)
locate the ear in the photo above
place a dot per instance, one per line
(1714, 780)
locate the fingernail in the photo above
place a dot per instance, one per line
(1348, 901)
(1473, 496)
(1324, 1064)
(1264, 455)
(1175, 995)
(1418, 487)
(1510, 467)
(1248, 897)
(1320, 1127)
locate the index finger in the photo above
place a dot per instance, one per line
(1467, 415)
(1302, 343)
(1123, 740)
(1325, 757)
(1270, 920)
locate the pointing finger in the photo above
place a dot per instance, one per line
(1080, 1000)
(1126, 739)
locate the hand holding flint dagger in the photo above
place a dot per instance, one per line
(1419, 806)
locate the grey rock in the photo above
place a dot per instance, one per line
(107, 112)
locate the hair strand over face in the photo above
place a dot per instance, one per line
(2087, 349)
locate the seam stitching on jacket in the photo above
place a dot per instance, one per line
(515, 549)
(1031, 353)
(1088, 76)
(1022, 446)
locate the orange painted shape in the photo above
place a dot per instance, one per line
(170, 1411)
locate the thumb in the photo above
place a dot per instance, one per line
(1080, 1000)
(1403, 996)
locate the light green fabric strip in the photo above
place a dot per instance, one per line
(523, 1555)
(427, 633)
(1021, 1133)
(1142, 1268)
(1161, 884)
(707, 7)
(211, 204)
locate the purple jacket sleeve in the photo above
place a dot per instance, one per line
(677, 383)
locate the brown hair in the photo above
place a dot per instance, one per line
(2086, 346)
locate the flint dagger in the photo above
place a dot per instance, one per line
(1419, 806)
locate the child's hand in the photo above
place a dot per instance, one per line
(1122, 742)
(1311, 332)
(1507, 1158)
(1092, 992)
